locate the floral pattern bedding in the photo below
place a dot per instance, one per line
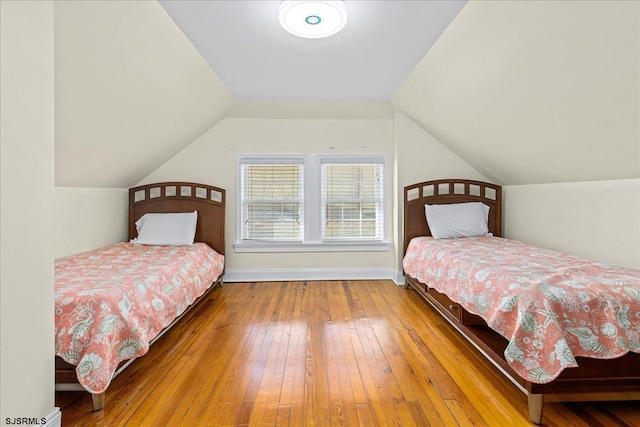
(551, 307)
(111, 302)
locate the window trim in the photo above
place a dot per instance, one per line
(312, 185)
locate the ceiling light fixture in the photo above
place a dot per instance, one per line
(313, 19)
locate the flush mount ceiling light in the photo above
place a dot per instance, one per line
(313, 19)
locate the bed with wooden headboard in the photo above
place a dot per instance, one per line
(593, 379)
(166, 197)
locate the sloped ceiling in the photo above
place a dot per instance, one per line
(258, 60)
(534, 92)
(524, 91)
(130, 92)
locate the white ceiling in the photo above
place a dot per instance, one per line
(258, 60)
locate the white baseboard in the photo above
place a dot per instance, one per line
(297, 274)
(54, 418)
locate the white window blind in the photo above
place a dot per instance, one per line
(272, 201)
(352, 201)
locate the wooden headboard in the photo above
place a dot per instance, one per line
(174, 197)
(446, 191)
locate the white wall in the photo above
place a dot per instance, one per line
(543, 98)
(597, 220)
(88, 218)
(26, 220)
(421, 157)
(131, 91)
(311, 110)
(532, 92)
(211, 159)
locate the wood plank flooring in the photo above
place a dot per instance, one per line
(326, 353)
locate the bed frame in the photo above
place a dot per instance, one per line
(165, 197)
(594, 379)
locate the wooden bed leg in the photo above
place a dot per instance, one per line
(98, 400)
(536, 401)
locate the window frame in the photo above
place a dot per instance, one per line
(380, 210)
(312, 206)
(280, 161)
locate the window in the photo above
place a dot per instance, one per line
(352, 204)
(311, 203)
(272, 201)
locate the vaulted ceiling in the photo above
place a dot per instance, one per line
(130, 92)
(535, 91)
(524, 91)
(259, 61)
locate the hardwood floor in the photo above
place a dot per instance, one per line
(328, 353)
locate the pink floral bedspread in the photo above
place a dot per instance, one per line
(112, 301)
(551, 307)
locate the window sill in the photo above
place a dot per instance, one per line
(311, 247)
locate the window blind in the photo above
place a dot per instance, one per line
(272, 202)
(352, 201)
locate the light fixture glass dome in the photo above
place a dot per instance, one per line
(313, 19)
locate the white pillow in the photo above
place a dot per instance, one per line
(457, 220)
(166, 228)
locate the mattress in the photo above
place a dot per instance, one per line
(111, 302)
(550, 306)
